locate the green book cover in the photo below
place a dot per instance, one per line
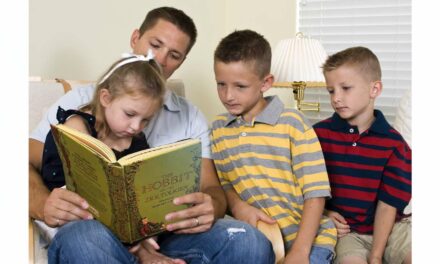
(131, 195)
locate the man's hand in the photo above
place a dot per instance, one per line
(341, 225)
(146, 252)
(63, 206)
(195, 219)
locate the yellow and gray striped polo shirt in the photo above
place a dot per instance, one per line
(274, 163)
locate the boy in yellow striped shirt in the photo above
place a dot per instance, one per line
(268, 157)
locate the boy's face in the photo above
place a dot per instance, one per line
(168, 43)
(240, 89)
(351, 94)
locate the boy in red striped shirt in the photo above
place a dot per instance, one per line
(368, 162)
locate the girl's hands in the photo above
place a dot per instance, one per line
(147, 252)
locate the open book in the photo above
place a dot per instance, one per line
(131, 195)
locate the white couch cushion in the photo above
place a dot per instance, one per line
(402, 123)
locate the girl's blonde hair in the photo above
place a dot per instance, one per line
(134, 78)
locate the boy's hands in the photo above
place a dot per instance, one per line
(341, 225)
(374, 260)
(63, 206)
(297, 257)
(250, 214)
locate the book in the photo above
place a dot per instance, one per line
(273, 233)
(132, 195)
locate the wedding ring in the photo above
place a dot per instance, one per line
(196, 220)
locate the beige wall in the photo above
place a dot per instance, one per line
(80, 39)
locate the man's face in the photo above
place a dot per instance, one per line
(168, 43)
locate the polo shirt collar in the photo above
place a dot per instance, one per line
(380, 124)
(171, 101)
(269, 115)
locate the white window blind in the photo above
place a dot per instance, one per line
(382, 26)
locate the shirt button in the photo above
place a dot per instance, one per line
(354, 144)
(351, 130)
(243, 134)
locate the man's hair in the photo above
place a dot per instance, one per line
(361, 57)
(247, 46)
(176, 17)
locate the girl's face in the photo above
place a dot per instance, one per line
(127, 115)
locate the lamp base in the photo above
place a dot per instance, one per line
(298, 94)
(305, 106)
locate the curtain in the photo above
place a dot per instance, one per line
(382, 26)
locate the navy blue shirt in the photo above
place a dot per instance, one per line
(365, 168)
(52, 167)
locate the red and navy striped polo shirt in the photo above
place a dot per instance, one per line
(364, 168)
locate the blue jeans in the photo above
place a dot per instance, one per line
(319, 255)
(228, 241)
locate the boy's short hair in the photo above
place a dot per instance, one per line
(247, 46)
(361, 57)
(176, 17)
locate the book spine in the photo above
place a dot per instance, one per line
(117, 189)
(132, 202)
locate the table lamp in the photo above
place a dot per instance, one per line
(296, 64)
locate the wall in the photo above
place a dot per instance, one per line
(80, 39)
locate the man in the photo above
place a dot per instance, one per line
(170, 33)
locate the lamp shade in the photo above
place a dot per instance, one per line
(298, 59)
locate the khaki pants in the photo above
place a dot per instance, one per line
(398, 245)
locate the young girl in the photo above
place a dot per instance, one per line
(126, 98)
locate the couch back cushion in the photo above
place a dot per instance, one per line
(45, 92)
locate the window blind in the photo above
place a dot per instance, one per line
(382, 26)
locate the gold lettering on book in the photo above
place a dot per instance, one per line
(165, 181)
(84, 166)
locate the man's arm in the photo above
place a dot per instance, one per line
(383, 224)
(308, 228)
(38, 192)
(54, 208)
(60, 205)
(210, 185)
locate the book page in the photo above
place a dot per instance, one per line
(85, 173)
(92, 143)
(144, 154)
